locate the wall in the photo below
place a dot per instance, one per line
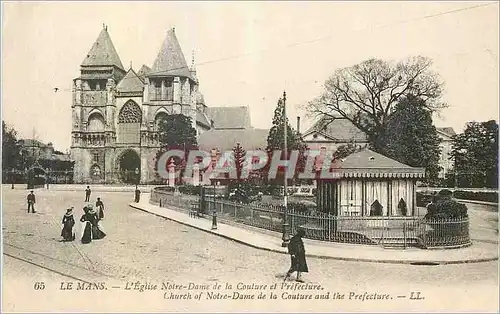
(444, 161)
(354, 196)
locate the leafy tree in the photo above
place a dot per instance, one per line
(411, 138)
(11, 150)
(276, 139)
(176, 132)
(476, 155)
(366, 94)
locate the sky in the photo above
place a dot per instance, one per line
(247, 53)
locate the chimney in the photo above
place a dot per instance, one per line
(298, 125)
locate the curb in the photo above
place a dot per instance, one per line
(348, 259)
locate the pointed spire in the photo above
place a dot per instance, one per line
(103, 52)
(130, 68)
(170, 60)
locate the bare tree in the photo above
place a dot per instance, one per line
(367, 93)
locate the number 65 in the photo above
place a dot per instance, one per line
(39, 286)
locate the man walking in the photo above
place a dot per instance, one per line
(298, 255)
(100, 208)
(31, 202)
(87, 194)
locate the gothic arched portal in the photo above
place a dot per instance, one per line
(130, 166)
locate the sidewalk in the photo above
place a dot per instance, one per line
(270, 241)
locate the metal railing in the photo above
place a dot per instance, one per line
(393, 231)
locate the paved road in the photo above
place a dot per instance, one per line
(140, 246)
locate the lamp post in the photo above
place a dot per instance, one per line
(285, 237)
(214, 217)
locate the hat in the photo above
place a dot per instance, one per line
(301, 232)
(69, 211)
(90, 208)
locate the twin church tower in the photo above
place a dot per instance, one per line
(116, 111)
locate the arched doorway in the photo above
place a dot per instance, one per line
(130, 167)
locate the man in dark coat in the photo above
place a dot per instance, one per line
(31, 202)
(298, 255)
(87, 194)
(100, 208)
(137, 195)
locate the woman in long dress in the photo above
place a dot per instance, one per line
(97, 233)
(68, 222)
(87, 226)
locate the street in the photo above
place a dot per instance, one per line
(146, 248)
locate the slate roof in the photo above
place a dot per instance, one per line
(170, 60)
(203, 118)
(337, 129)
(61, 157)
(224, 140)
(103, 52)
(229, 117)
(130, 83)
(143, 71)
(447, 131)
(367, 163)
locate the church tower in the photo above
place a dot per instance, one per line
(169, 89)
(93, 109)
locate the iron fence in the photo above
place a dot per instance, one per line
(394, 231)
(178, 202)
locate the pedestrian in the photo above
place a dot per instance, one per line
(298, 255)
(137, 195)
(97, 233)
(31, 202)
(87, 194)
(86, 219)
(68, 222)
(100, 208)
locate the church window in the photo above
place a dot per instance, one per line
(129, 121)
(169, 90)
(158, 119)
(96, 123)
(92, 84)
(157, 93)
(96, 157)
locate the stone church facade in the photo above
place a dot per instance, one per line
(116, 111)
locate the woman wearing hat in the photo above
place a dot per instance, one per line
(68, 222)
(97, 233)
(87, 219)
